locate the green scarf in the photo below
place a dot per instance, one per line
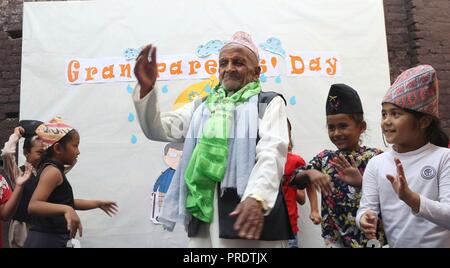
(209, 159)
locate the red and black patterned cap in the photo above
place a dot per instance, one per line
(416, 89)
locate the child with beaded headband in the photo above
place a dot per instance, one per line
(53, 205)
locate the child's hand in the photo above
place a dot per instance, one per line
(19, 131)
(73, 222)
(109, 207)
(402, 189)
(315, 217)
(250, 218)
(399, 182)
(25, 175)
(368, 223)
(347, 172)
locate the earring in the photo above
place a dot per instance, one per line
(384, 141)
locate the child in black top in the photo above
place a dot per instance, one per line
(52, 203)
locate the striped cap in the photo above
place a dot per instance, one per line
(243, 39)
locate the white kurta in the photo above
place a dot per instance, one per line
(265, 177)
(271, 150)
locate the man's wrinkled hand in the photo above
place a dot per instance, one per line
(146, 70)
(250, 219)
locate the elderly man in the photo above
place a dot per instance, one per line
(226, 186)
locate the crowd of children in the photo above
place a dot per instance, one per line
(43, 202)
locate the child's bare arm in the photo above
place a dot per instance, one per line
(83, 204)
(109, 207)
(301, 197)
(312, 196)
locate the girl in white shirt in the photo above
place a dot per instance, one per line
(410, 185)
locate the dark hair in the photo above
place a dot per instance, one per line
(434, 132)
(358, 117)
(28, 143)
(63, 142)
(173, 145)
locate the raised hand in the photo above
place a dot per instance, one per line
(25, 175)
(19, 131)
(347, 172)
(399, 182)
(250, 219)
(401, 188)
(109, 207)
(146, 70)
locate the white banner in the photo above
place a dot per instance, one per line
(70, 46)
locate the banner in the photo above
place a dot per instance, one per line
(78, 59)
(191, 67)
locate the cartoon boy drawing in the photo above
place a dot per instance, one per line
(172, 155)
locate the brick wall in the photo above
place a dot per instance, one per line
(432, 43)
(418, 31)
(397, 33)
(10, 52)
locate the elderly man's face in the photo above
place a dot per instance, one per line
(238, 66)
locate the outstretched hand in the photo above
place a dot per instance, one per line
(347, 172)
(109, 207)
(146, 70)
(250, 219)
